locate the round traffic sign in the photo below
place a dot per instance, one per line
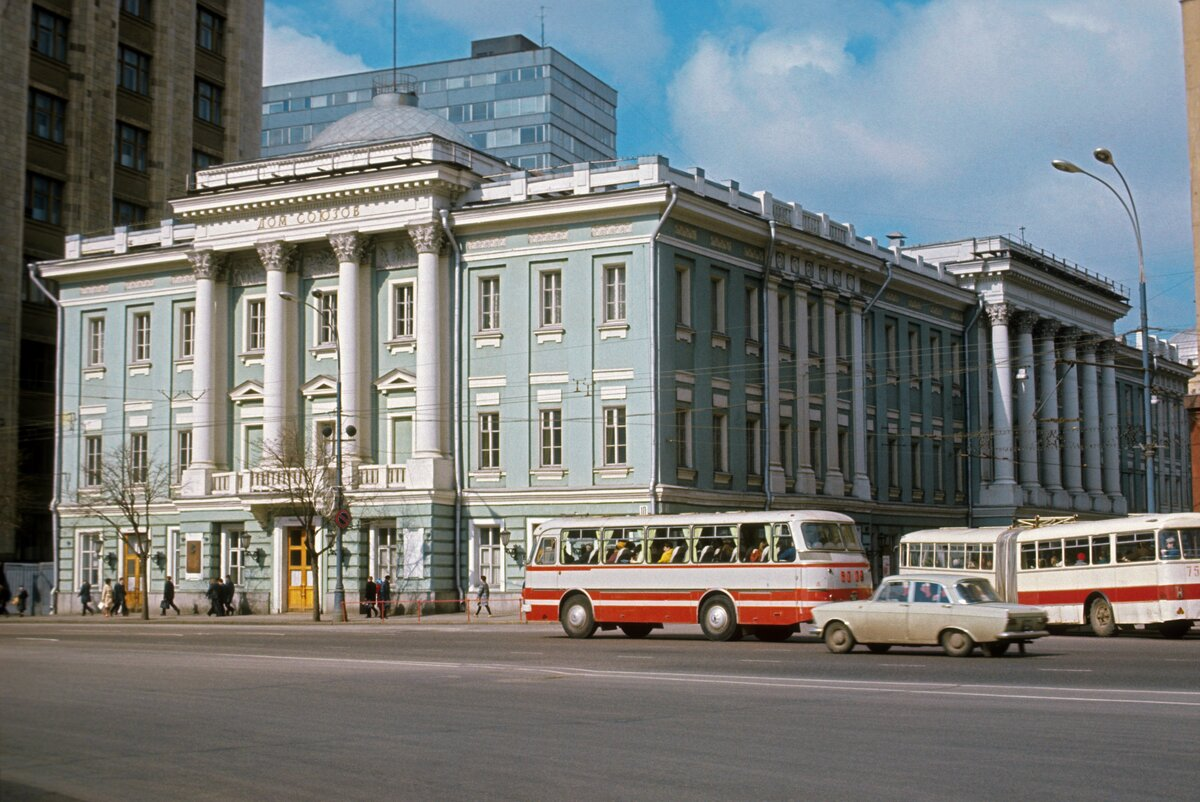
(342, 518)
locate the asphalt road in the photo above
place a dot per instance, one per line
(229, 710)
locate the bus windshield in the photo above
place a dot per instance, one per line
(1175, 544)
(829, 536)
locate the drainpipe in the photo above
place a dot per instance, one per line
(456, 383)
(968, 405)
(766, 358)
(58, 369)
(653, 316)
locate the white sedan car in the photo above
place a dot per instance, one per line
(953, 611)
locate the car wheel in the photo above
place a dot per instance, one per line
(957, 643)
(773, 634)
(1174, 629)
(719, 620)
(878, 648)
(576, 618)
(838, 638)
(636, 630)
(996, 649)
(1101, 620)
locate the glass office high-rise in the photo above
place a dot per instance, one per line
(529, 105)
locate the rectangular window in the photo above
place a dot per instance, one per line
(187, 332)
(47, 116)
(785, 448)
(914, 354)
(489, 303)
(209, 98)
(93, 460)
(202, 160)
(43, 198)
(614, 293)
(133, 144)
(551, 281)
(256, 324)
(136, 8)
(891, 349)
(140, 341)
(841, 333)
(252, 443)
(184, 452)
(128, 214)
(491, 556)
(683, 438)
(718, 305)
(388, 548)
(89, 559)
(327, 318)
(720, 442)
(752, 313)
(753, 446)
(551, 438)
(210, 31)
(785, 320)
(95, 342)
(48, 34)
(489, 441)
(235, 554)
(401, 440)
(133, 70)
(935, 356)
(614, 436)
(139, 465)
(404, 305)
(683, 295)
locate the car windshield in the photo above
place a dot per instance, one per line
(976, 591)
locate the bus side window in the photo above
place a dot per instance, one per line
(546, 551)
(1101, 550)
(1050, 554)
(1076, 551)
(986, 560)
(1028, 556)
(785, 547)
(1190, 543)
(1135, 548)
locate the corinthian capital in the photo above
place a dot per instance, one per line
(1047, 328)
(427, 238)
(1024, 321)
(277, 255)
(348, 246)
(999, 314)
(207, 264)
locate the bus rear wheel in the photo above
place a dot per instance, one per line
(718, 620)
(577, 619)
(636, 630)
(773, 634)
(1101, 620)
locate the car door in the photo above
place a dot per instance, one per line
(883, 620)
(928, 613)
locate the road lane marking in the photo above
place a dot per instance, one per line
(747, 660)
(1068, 670)
(636, 656)
(52, 640)
(902, 665)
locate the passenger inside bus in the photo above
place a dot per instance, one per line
(1170, 546)
(760, 553)
(1081, 558)
(787, 550)
(725, 552)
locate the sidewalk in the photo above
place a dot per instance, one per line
(278, 619)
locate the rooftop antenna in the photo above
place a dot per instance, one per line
(1022, 230)
(394, 34)
(542, 16)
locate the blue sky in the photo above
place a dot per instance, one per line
(935, 118)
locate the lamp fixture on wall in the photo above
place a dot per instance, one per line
(514, 550)
(160, 560)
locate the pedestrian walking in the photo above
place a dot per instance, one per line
(228, 590)
(215, 607)
(3, 597)
(168, 599)
(119, 606)
(22, 599)
(85, 597)
(369, 593)
(106, 598)
(484, 597)
(385, 595)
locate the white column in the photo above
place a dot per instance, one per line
(1050, 435)
(771, 326)
(1110, 438)
(835, 482)
(1090, 422)
(1027, 432)
(207, 400)
(858, 401)
(353, 355)
(1003, 487)
(276, 257)
(1072, 448)
(430, 465)
(806, 479)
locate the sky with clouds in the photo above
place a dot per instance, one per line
(938, 118)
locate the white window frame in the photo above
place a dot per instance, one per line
(233, 554)
(753, 309)
(183, 451)
(683, 438)
(496, 562)
(616, 436)
(186, 333)
(404, 309)
(176, 553)
(615, 310)
(325, 319)
(720, 442)
(254, 326)
(489, 303)
(139, 456)
(550, 293)
(683, 294)
(387, 550)
(718, 305)
(783, 299)
(489, 441)
(93, 460)
(95, 341)
(89, 542)
(140, 326)
(550, 437)
(753, 445)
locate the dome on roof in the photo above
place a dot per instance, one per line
(391, 115)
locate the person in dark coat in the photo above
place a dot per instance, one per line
(385, 595)
(227, 593)
(215, 607)
(483, 599)
(85, 597)
(168, 599)
(369, 593)
(119, 597)
(3, 597)
(22, 599)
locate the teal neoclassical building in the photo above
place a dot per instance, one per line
(599, 338)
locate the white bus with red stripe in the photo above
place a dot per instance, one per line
(731, 572)
(1142, 571)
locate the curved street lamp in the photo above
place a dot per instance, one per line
(1104, 156)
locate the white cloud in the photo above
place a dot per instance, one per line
(289, 55)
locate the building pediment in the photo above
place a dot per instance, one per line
(318, 386)
(246, 391)
(395, 381)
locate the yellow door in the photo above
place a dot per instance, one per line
(133, 580)
(300, 578)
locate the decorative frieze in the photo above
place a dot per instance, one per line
(612, 230)
(542, 237)
(488, 243)
(684, 231)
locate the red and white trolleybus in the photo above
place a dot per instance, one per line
(1140, 571)
(759, 572)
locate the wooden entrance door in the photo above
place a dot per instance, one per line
(300, 575)
(133, 580)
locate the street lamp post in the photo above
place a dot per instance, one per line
(339, 503)
(1104, 156)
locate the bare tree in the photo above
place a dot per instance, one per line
(302, 474)
(123, 493)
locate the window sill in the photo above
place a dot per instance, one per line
(549, 334)
(720, 341)
(754, 481)
(402, 345)
(612, 472)
(487, 475)
(685, 474)
(613, 331)
(251, 357)
(94, 372)
(488, 339)
(138, 369)
(753, 348)
(548, 474)
(684, 334)
(323, 351)
(722, 479)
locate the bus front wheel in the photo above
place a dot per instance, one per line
(718, 620)
(1100, 618)
(577, 619)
